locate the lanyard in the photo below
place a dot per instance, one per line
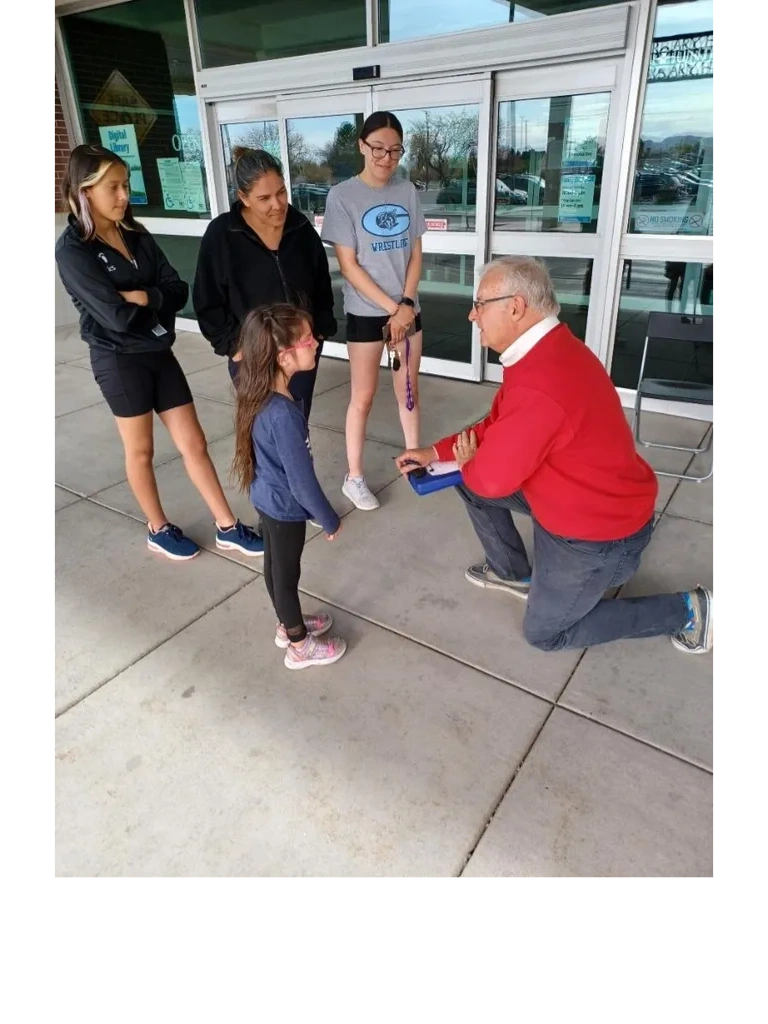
(409, 402)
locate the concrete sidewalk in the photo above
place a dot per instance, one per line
(442, 744)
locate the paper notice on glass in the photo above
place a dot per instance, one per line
(580, 154)
(675, 219)
(171, 182)
(194, 190)
(577, 195)
(121, 139)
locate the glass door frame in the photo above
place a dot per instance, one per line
(321, 104)
(570, 79)
(231, 112)
(453, 91)
(469, 89)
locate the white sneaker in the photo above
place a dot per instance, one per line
(359, 493)
(697, 638)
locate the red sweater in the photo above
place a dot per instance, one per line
(557, 432)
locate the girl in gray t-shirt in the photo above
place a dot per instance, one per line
(375, 224)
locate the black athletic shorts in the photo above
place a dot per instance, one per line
(136, 383)
(369, 328)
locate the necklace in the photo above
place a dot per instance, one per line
(127, 254)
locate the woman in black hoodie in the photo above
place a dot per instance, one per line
(262, 251)
(128, 295)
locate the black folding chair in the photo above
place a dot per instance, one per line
(666, 327)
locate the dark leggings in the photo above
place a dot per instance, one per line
(301, 385)
(283, 544)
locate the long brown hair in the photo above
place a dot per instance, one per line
(266, 331)
(87, 166)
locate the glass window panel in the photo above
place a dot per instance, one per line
(572, 279)
(182, 251)
(549, 163)
(445, 295)
(410, 19)
(322, 151)
(337, 283)
(649, 287)
(242, 31)
(254, 134)
(135, 89)
(673, 180)
(441, 161)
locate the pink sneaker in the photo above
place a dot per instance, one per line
(317, 625)
(315, 652)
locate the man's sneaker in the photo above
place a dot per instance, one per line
(171, 542)
(356, 489)
(240, 538)
(317, 625)
(315, 652)
(696, 638)
(484, 576)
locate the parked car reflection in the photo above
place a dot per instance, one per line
(461, 192)
(670, 183)
(531, 186)
(309, 197)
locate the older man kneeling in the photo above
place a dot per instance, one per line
(556, 446)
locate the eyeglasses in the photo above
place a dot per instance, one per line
(306, 342)
(379, 152)
(479, 303)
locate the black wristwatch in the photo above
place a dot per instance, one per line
(405, 301)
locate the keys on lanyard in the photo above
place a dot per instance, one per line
(393, 355)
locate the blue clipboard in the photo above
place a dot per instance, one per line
(436, 477)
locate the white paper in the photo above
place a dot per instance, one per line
(441, 468)
(171, 183)
(182, 185)
(194, 190)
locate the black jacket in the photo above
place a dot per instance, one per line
(94, 274)
(236, 272)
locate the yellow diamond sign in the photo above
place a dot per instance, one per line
(118, 97)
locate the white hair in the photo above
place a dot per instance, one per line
(528, 278)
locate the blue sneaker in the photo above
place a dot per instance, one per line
(171, 542)
(240, 538)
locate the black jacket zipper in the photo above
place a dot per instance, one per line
(282, 276)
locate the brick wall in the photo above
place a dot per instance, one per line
(62, 150)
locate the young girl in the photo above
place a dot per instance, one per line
(273, 462)
(375, 223)
(128, 295)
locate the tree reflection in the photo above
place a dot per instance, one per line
(442, 147)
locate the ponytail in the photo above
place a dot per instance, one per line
(265, 333)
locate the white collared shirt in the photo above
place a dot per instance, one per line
(515, 352)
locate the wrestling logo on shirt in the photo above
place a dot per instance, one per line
(386, 220)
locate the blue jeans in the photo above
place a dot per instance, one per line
(566, 607)
(301, 385)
